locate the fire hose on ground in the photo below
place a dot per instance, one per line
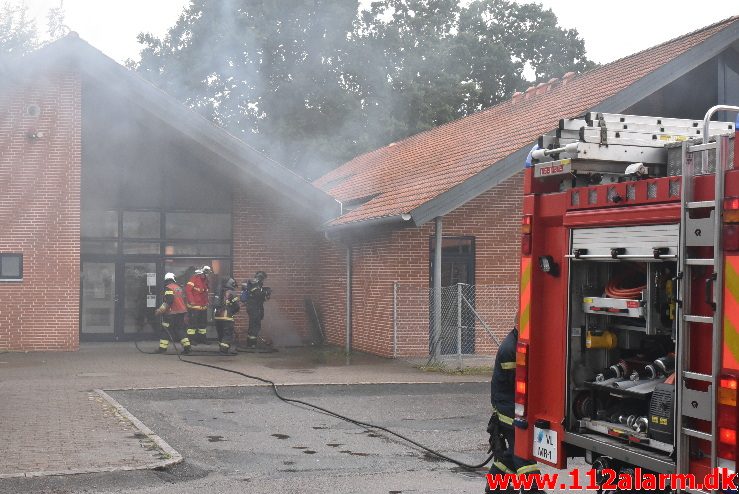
(359, 423)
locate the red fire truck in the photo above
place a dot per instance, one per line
(627, 220)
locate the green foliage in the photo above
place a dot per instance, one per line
(315, 82)
(17, 31)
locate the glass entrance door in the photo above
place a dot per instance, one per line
(140, 300)
(99, 300)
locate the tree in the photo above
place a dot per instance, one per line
(315, 82)
(55, 22)
(17, 31)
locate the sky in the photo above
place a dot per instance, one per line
(611, 29)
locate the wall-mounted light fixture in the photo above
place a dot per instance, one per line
(547, 265)
(33, 110)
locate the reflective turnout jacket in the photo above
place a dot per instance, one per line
(174, 298)
(197, 292)
(229, 307)
(504, 378)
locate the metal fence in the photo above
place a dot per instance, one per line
(454, 326)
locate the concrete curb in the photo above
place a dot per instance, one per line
(291, 385)
(173, 456)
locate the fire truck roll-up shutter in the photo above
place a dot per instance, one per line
(650, 242)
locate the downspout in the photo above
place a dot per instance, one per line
(437, 290)
(348, 337)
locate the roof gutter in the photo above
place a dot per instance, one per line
(398, 219)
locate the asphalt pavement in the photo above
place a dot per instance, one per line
(243, 439)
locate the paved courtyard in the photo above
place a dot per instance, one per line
(54, 422)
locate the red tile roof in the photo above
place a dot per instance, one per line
(404, 175)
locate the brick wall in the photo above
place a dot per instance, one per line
(330, 292)
(270, 235)
(40, 211)
(402, 255)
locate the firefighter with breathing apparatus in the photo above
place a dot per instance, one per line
(227, 305)
(173, 312)
(197, 305)
(254, 295)
(500, 426)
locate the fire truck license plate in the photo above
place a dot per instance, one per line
(552, 168)
(545, 445)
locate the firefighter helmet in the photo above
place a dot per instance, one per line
(198, 271)
(229, 284)
(169, 276)
(261, 275)
(206, 270)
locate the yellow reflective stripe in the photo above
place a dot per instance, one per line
(185, 341)
(165, 324)
(223, 318)
(508, 365)
(163, 343)
(731, 313)
(202, 331)
(525, 298)
(502, 467)
(196, 307)
(168, 292)
(191, 283)
(224, 344)
(505, 419)
(190, 331)
(528, 469)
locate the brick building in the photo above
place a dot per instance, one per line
(106, 179)
(465, 176)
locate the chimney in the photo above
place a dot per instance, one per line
(567, 77)
(542, 88)
(517, 96)
(530, 92)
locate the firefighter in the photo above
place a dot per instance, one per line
(500, 426)
(228, 305)
(197, 305)
(255, 294)
(173, 312)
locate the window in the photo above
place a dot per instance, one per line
(11, 266)
(198, 226)
(141, 224)
(195, 249)
(141, 248)
(100, 224)
(99, 247)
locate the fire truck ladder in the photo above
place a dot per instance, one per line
(693, 404)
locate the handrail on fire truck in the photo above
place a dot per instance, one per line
(692, 403)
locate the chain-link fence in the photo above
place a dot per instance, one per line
(456, 325)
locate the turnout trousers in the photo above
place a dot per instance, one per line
(508, 462)
(173, 324)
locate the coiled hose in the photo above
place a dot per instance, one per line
(621, 286)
